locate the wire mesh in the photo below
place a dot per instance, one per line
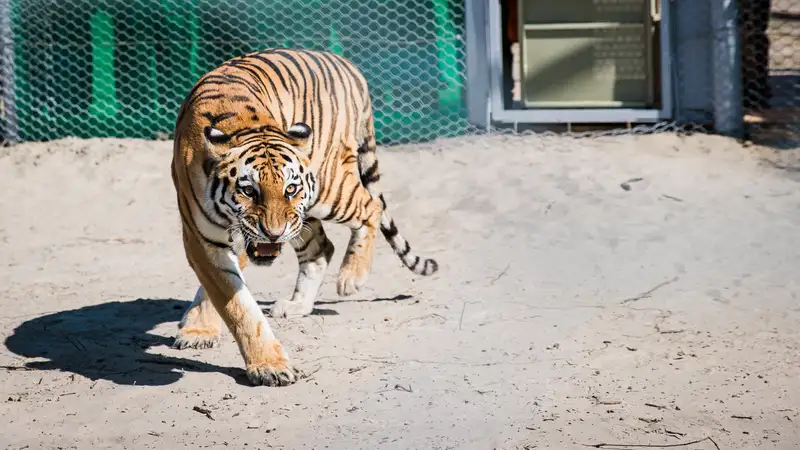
(770, 36)
(114, 68)
(90, 68)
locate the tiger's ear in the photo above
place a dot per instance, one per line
(300, 134)
(215, 136)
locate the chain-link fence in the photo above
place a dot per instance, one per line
(120, 68)
(769, 31)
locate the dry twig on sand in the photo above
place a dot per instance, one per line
(204, 411)
(649, 292)
(683, 444)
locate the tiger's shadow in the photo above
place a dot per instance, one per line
(109, 341)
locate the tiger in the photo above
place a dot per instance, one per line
(268, 146)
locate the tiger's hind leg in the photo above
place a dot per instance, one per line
(362, 215)
(314, 252)
(357, 262)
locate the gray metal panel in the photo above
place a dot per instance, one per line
(587, 66)
(692, 61)
(495, 55)
(600, 115)
(582, 11)
(666, 62)
(727, 96)
(477, 63)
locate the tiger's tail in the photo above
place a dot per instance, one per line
(370, 178)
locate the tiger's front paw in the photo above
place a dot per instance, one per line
(196, 338)
(272, 375)
(352, 276)
(273, 369)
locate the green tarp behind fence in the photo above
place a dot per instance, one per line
(120, 68)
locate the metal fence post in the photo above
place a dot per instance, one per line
(477, 94)
(10, 128)
(726, 69)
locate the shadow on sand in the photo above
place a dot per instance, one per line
(110, 342)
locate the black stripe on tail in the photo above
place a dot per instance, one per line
(420, 266)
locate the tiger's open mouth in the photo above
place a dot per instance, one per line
(263, 254)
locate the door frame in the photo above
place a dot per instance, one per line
(485, 106)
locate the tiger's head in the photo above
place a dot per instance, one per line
(263, 186)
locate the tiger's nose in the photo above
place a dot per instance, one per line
(272, 235)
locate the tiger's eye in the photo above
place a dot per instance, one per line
(249, 191)
(291, 189)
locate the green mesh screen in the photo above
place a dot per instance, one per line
(114, 68)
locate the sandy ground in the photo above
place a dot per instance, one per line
(567, 311)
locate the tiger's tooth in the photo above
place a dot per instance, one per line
(255, 252)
